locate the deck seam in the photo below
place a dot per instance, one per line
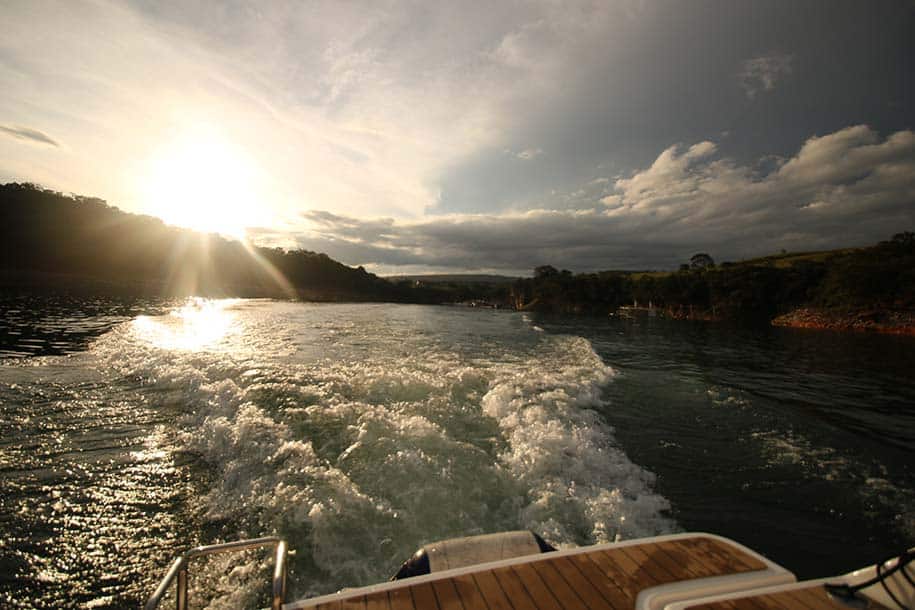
(568, 584)
(524, 586)
(559, 604)
(599, 587)
(673, 560)
(502, 589)
(571, 585)
(652, 562)
(613, 580)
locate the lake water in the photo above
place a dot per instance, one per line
(131, 431)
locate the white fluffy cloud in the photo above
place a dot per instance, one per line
(845, 188)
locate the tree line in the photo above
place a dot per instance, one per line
(878, 277)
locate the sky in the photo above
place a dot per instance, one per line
(415, 137)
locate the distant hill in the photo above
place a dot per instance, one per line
(455, 278)
(50, 241)
(788, 259)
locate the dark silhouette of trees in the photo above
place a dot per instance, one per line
(701, 261)
(52, 241)
(545, 271)
(880, 277)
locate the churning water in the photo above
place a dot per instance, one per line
(360, 432)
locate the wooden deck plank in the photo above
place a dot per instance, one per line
(698, 556)
(355, 603)
(648, 564)
(642, 575)
(447, 595)
(597, 579)
(468, 592)
(590, 594)
(401, 599)
(377, 601)
(731, 555)
(424, 596)
(491, 591)
(611, 592)
(674, 561)
(329, 606)
(565, 595)
(718, 558)
(619, 569)
(536, 587)
(514, 589)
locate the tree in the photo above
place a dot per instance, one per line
(544, 271)
(701, 261)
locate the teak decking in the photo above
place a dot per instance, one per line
(598, 579)
(809, 598)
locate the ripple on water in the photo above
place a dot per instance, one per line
(82, 472)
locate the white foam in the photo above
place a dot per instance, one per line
(400, 439)
(583, 488)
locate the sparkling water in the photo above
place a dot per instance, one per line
(360, 432)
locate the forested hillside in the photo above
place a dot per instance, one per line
(51, 241)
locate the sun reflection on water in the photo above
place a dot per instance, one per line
(200, 324)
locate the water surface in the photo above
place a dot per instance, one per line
(360, 432)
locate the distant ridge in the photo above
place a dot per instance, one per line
(454, 278)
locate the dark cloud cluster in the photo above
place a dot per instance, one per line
(845, 188)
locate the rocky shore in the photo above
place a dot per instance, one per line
(899, 322)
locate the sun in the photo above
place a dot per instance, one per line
(202, 181)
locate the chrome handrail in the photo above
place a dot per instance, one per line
(179, 570)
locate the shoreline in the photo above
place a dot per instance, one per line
(884, 321)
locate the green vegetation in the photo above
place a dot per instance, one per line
(53, 242)
(881, 277)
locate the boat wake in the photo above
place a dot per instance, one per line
(359, 441)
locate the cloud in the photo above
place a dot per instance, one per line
(761, 73)
(849, 187)
(403, 110)
(32, 135)
(530, 153)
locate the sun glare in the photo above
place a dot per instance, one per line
(200, 324)
(204, 182)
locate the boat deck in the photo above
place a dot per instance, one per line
(813, 598)
(604, 577)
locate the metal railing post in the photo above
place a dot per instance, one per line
(279, 576)
(179, 571)
(181, 589)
